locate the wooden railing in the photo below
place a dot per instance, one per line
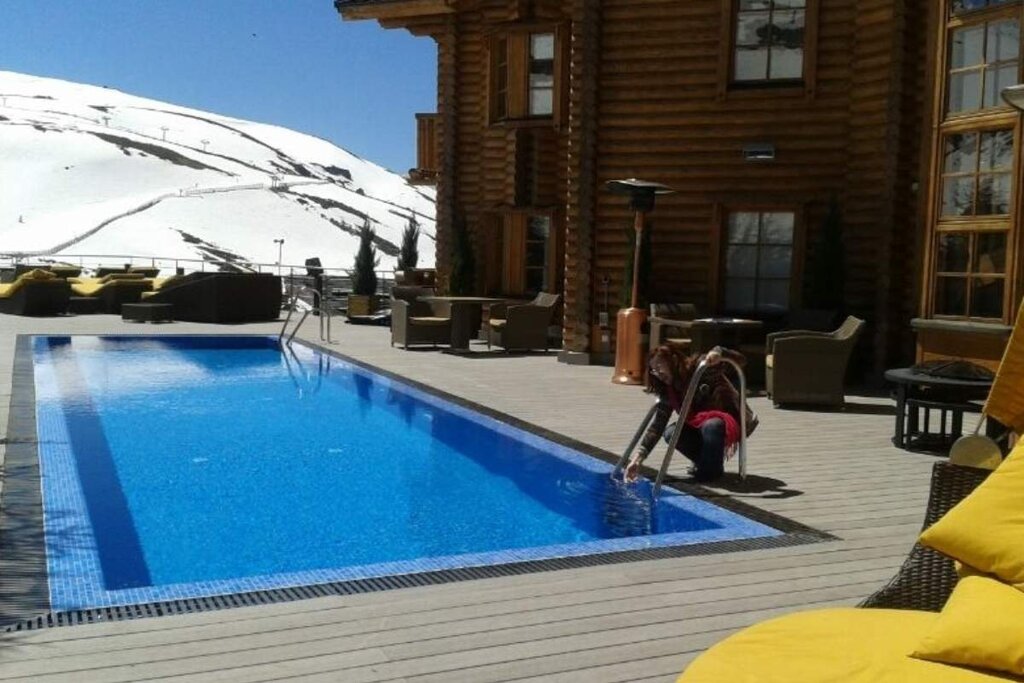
(427, 152)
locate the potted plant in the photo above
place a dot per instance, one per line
(363, 299)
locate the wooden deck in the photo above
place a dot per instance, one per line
(640, 621)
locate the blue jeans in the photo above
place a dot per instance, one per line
(705, 447)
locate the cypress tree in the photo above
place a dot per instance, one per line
(364, 275)
(409, 255)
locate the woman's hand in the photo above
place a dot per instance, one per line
(632, 471)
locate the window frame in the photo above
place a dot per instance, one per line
(515, 227)
(805, 85)
(514, 108)
(976, 121)
(720, 251)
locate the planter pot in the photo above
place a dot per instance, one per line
(361, 304)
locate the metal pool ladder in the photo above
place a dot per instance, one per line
(691, 392)
(324, 313)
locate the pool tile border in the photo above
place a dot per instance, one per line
(31, 612)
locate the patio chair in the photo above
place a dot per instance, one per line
(808, 367)
(221, 297)
(672, 324)
(112, 290)
(35, 293)
(418, 322)
(522, 326)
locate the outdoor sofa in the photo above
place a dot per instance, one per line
(221, 297)
(955, 610)
(522, 326)
(111, 290)
(418, 322)
(809, 367)
(35, 293)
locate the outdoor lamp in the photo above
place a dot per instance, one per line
(630, 357)
(1014, 96)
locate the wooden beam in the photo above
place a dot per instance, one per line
(393, 9)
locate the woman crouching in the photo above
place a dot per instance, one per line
(711, 430)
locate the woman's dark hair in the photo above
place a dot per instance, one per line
(681, 366)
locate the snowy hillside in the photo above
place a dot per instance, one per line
(92, 171)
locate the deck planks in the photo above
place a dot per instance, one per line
(834, 471)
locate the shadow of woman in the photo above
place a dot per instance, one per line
(754, 486)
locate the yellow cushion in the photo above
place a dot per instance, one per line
(497, 323)
(769, 361)
(89, 288)
(8, 290)
(844, 645)
(37, 274)
(964, 570)
(981, 625)
(986, 529)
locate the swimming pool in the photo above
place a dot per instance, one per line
(177, 467)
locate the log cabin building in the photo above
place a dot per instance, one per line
(761, 114)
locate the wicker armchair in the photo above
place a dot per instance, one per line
(802, 366)
(522, 326)
(418, 322)
(671, 324)
(927, 579)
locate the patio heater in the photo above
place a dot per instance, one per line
(630, 359)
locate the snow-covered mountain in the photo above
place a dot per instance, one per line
(86, 170)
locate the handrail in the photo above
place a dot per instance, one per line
(635, 440)
(318, 308)
(684, 411)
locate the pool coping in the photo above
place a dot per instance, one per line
(24, 604)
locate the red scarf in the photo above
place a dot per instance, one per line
(696, 420)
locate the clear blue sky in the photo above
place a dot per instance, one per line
(292, 63)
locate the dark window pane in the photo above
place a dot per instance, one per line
(539, 228)
(775, 262)
(997, 150)
(1003, 41)
(997, 78)
(773, 296)
(953, 253)
(788, 29)
(987, 297)
(536, 280)
(958, 196)
(541, 74)
(790, 4)
(967, 47)
(961, 153)
(741, 261)
(993, 195)
(753, 29)
(746, 5)
(744, 227)
(990, 253)
(951, 296)
(739, 294)
(965, 91)
(777, 228)
(787, 64)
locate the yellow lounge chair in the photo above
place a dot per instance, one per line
(37, 292)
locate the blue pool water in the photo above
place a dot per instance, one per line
(187, 466)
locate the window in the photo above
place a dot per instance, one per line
(977, 173)
(538, 254)
(769, 41)
(971, 274)
(983, 59)
(524, 83)
(759, 261)
(542, 74)
(961, 6)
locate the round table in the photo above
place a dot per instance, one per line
(466, 315)
(918, 390)
(709, 332)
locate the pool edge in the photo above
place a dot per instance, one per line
(38, 615)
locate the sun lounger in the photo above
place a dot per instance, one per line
(36, 293)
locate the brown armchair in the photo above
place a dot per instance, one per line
(803, 366)
(522, 326)
(672, 324)
(418, 322)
